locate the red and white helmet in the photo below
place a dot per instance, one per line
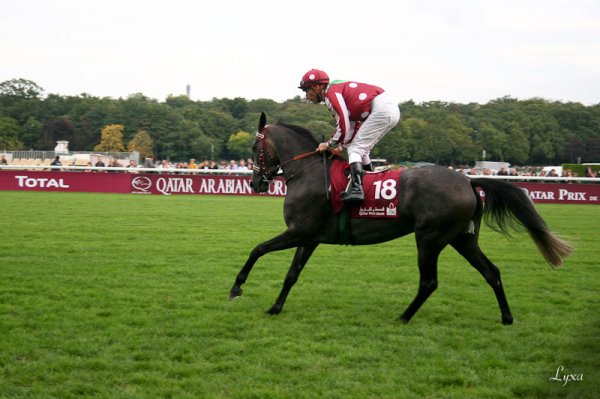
(313, 77)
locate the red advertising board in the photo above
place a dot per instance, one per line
(167, 184)
(565, 193)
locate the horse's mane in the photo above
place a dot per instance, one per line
(300, 131)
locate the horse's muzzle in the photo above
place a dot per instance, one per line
(260, 184)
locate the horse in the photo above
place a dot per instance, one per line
(440, 206)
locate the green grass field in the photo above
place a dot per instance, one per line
(123, 296)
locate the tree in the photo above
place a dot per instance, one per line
(404, 141)
(142, 143)
(236, 107)
(493, 141)
(22, 89)
(533, 131)
(111, 139)
(240, 144)
(459, 138)
(58, 129)
(320, 129)
(517, 150)
(204, 147)
(20, 99)
(181, 101)
(30, 133)
(9, 134)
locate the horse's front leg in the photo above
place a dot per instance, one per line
(300, 259)
(284, 240)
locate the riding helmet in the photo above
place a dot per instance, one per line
(313, 77)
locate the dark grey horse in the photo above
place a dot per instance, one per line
(439, 205)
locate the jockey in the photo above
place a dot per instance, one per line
(363, 115)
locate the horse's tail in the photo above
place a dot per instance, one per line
(506, 204)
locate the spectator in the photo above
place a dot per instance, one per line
(100, 164)
(213, 165)
(132, 165)
(192, 164)
(205, 164)
(56, 162)
(165, 164)
(3, 160)
(589, 172)
(242, 165)
(149, 163)
(114, 164)
(503, 172)
(232, 165)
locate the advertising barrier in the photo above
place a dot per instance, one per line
(147, 183)
(223, 184)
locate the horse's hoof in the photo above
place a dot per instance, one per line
(404, 319)
(235, 293)
(275, 310)
(507, 321)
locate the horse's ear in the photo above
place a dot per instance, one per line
(262, 122)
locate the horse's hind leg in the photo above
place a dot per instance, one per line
(300, 259)
(284, 240)
(466, 244)
(429, 251)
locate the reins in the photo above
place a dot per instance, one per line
(301, 170)
(300, 157)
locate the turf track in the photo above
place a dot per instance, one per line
(123, 296)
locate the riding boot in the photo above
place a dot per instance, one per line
(354, 191)
(368, 167)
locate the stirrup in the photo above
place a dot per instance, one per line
(352, 197)
(354, 192)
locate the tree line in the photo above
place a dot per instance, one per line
(533, 131)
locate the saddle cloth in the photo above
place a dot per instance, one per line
(380, 188)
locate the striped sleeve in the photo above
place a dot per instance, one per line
(337, 105)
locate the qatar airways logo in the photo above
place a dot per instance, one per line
(40, 182)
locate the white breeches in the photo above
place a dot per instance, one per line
(384, 115)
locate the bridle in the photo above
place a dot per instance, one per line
(268, 173)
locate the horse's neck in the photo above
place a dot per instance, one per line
(308, 173)
(308, 177)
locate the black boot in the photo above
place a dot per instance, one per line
(354, 191)
(368, 167)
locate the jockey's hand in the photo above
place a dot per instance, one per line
(323, 147)
(335, 152)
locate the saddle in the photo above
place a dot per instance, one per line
(380, 188)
